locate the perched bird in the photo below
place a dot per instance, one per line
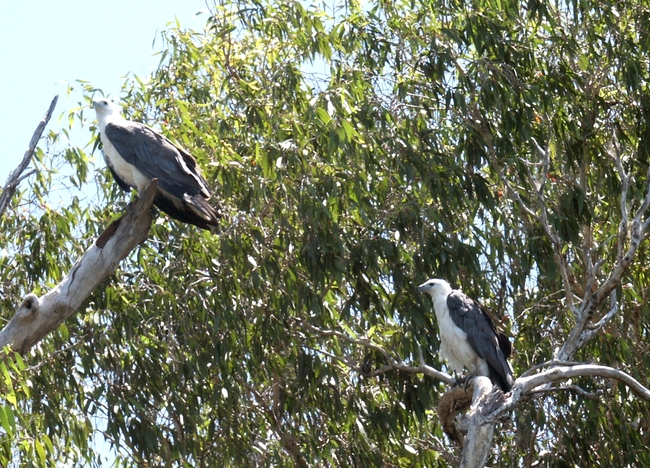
(136, 154)
(467, 336)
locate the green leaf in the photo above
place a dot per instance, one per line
(7, 420)
(40, 451)
(323, 115)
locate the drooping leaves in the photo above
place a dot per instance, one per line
(354, 153)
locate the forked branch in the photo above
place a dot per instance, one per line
(16, 176)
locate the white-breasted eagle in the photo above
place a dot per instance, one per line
(467, 335)
(136, 154)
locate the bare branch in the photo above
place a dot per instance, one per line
(526, 386)
(349, 339)
(546, 162)
(393, 363)
(476, 122)
(624, 262)
(15, 175)
(422, 369)
(36, 317)
(636, 225)
(593, 301)
(540, 383)
(582, 370)
(570, 388)
(479, 434)
(615, 154)
(334, 357)
(548, 364)
(596, 327)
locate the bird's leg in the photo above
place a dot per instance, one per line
(464, 381)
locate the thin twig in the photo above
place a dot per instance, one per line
(334, 357)
(613, 308)
(289, 441)
(15, 176)
(349, 339)
(570, 388)
(65, 349)
(393, 363)
(615, 154)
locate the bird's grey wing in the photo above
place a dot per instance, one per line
(505, 345)
(156, 157)
(481, 335)
(504, 342)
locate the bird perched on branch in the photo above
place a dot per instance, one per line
(467, 335)
(136, 154)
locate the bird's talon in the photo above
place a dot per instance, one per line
(464, 381)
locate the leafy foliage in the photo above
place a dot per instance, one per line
(354, 153)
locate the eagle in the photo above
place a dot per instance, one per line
(136, 154)
(467, 335)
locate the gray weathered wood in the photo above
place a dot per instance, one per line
(479, 432)
(38, 316)
(15, 176)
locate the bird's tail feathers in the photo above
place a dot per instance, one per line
(201, 208)
(504, 379)
(190, 209)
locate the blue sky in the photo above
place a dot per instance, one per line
(46, 44)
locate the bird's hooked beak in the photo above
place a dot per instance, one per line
(434, 286)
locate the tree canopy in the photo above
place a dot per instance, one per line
(355, 151)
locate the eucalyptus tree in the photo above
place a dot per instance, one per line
(356, 151)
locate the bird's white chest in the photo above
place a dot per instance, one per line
(127, 172)
(454, 347)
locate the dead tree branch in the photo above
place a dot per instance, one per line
(570, 388)
(582, 332)
(489, 407)
(485, 399)
(629, 236)
(15, 175)
(554, 374)
(531, 385)
(531, 216)
(38, 316)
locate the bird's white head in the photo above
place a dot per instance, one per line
(106, 110)
(435, 287)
